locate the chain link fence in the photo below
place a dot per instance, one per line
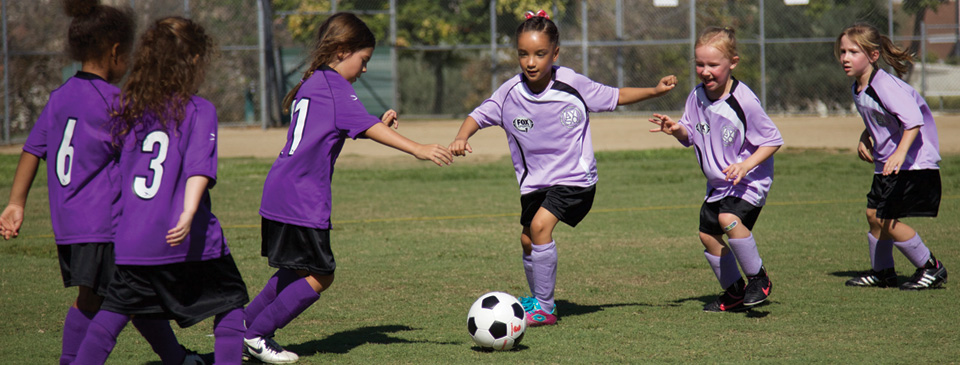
(443, 58)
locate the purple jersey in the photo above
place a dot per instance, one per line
(324, 114)
(727, 131)
(889, 106)
(81, 168)
(549, 132)
(155, 164)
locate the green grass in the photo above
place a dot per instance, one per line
(416, 244)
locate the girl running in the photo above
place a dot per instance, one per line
(297, 196)
(735, 141)
(545, 112)
(72, 131)
(901, 140)
(172, 257)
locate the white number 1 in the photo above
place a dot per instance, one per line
(301, 112)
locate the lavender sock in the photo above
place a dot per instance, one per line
(228, 333)
(276, 284)
(528, 269)
(747, 255)
(101, 337)
(881, 253)
(725, 268)
(160, 336)
(292, 301)
(74, 328)
(914, 250)
(544, 259)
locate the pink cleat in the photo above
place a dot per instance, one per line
(540, 318)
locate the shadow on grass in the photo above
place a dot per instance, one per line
(751, 312)
(568, 308)
(343, 342)
(852, 274)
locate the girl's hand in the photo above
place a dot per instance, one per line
(389, 118)
(893, 163)
(10, 221)
(176, 235)
(735, 172)
(460, 147)
(667, 83)
(434, 152)
(665, 124)
(865, 150)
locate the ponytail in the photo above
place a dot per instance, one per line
(894, 56)
(869, 39)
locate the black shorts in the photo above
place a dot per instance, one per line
(289, 246)
(911, 193)
(710, 214)
(87, 264)
(570, 204)
(187, 292)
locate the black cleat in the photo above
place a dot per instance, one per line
(730, 301)
(885, 278)
(758, 288)
(932, 275)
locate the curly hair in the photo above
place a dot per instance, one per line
(168, 67)
(95, 28)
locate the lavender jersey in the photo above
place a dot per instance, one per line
(71, 134)
(889, 106)
(727, 131)
(549, 133)
(155, 164)
(324, 114)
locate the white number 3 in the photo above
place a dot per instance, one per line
(156, 165)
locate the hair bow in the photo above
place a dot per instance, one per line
(539, 13)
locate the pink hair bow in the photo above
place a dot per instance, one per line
(539, 13)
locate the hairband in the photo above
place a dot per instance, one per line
(539, 13)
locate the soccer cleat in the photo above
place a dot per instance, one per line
(931, 275)
(882, 279)
(730, 301)
(540, 318)
(269, 351)
(758, 288)
(531, 304)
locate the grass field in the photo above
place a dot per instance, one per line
(416, 244)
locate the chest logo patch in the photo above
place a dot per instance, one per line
(703, 128)
(571, 116)
(879, 118)
(729, 132)
(523, 124)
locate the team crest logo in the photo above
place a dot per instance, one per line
(879, 118)
(729, 132)
(571, 116)
(523, 124)
(703, 128)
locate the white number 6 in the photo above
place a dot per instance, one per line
(64, 168)
(156, 165)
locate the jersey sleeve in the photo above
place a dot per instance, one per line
(761, 131)
(350, 116)
(690, 111)
(489, 113)
(36, 143)
(599, 97)
(200, 155)
(900, 103)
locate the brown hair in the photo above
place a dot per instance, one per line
(95, 28)
(539, 22)
(723, 39)
(168, 67)
(340, 33)
(869, 39)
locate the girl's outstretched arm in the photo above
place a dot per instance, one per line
(668, 126)
(12, 217)
(738, 170)
(630, 95)
(388, 137)
(460, 146)
(896, 160)
(196, 185)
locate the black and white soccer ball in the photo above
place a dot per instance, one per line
(496, 321)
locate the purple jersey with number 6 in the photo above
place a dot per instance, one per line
(155, 164)
(549, 132)
(889, 106)
(727, 131)
(324, 114)
(71, 134)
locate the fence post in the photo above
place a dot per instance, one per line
(763, 59)
(6, 78)
(693, 42)
(394, 73)
(619, 15)
(923, 59)
(493, 46)
(583, 38)
(264, 118)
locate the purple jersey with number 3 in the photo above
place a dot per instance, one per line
(727, 131)
(549, 132)
(71, 134)
(155, 164)
(889, 106)
(324, 114)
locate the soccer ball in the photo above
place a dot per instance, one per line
(496, 321)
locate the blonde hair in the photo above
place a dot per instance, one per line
(869, 39)
(723, 39)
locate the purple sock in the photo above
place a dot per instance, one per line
(292, 301)
(228, 333)
(747, 255)
(74, 328)
(160, 336)
(101, 337)
(881, 253)
(914, 250)
(528, 269)
(276, 284)
(725, 268)
(544, 259)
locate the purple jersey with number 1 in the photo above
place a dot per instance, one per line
(727, 131)
(889, 106)
(549, 132)
(71, 134)
(324, 114)
(155, 164)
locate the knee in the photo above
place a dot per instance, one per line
(872, 218)
(324, 281)
(728, 221)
